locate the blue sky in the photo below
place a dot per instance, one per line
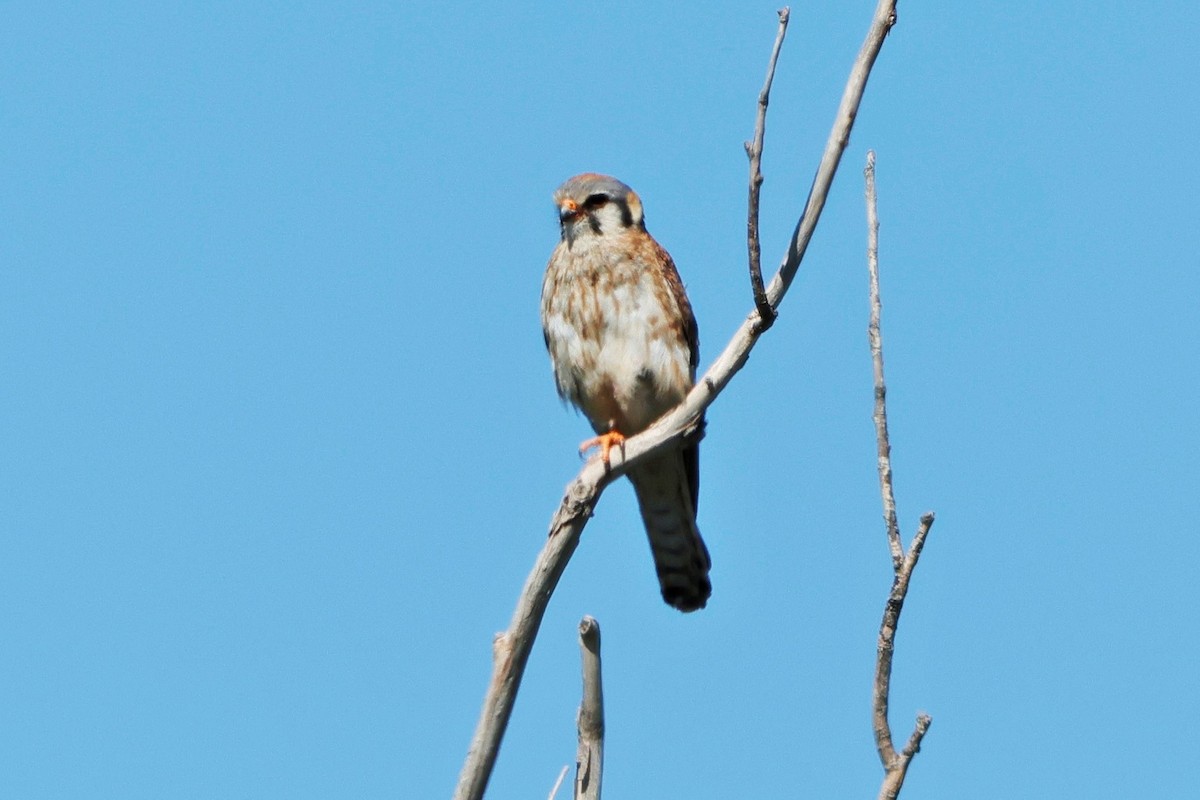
(280, 443)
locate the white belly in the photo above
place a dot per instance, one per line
(616, 345)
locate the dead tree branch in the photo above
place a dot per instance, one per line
(589, 758)
(884, 446)
(895, 764)
(511, 648)
(558, 783)
(754, 150)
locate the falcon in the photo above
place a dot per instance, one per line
(623, 343)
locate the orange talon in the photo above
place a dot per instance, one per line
(606, 442)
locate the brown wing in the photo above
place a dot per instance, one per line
(691, 454)
(690, 330)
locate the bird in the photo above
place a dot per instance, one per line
(624, 346)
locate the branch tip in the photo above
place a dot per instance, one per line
(895, 764)
(754, 148)
(589, 757)
(558, 783)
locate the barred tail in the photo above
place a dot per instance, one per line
(665, 493)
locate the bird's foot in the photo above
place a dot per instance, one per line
(606, 442)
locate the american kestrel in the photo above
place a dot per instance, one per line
(624, 347)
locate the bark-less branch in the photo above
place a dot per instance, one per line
(754, 148)
(558, 783)
(510, 650)
(895, 764)
(883, 445)
(589, 758)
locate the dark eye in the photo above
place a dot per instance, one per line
(595, 201)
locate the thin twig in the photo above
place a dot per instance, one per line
(754, 149)
(512, 647)
(835, 145)
(884, 446)
(914, 741)
(886, 649)
(558, 782)
(893, 781)
(895, 764)
(589, 758)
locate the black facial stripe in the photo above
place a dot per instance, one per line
(589, 210)
(626, 214)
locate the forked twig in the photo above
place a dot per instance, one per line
(895, 764)
(754, 150)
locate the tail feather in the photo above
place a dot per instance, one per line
(665, 497)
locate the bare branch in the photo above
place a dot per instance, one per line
(917, 544)
(510, 650)
(895, 764)
(914, 741)
(513, 646)
(589, 758)
(835, 145)
(885, 649)
(893, 781)
(754, 150)
(558, 783)
(883, 444)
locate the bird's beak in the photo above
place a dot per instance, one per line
(567, 210)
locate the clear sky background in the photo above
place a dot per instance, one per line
(279, 441)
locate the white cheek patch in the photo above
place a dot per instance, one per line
(635, 207)
(610, 218)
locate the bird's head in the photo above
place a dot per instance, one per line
(596, 205)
